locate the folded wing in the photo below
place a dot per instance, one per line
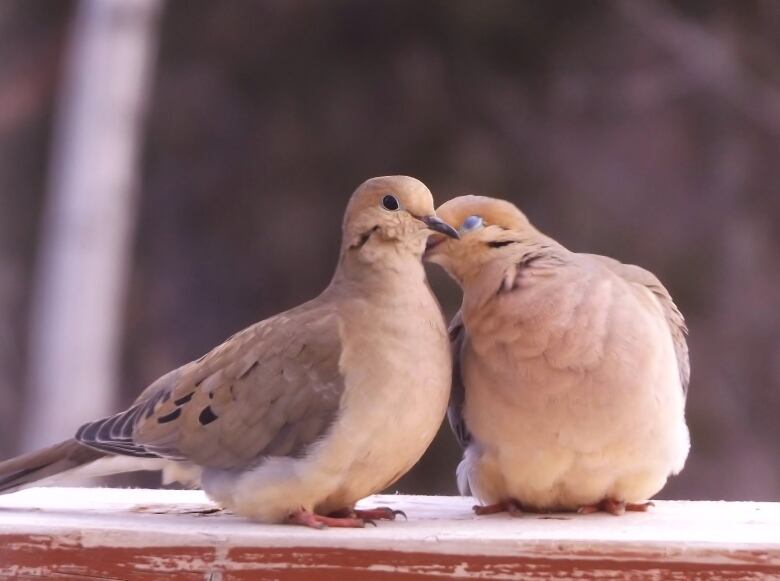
(270, 390)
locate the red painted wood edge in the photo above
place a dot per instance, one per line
(36, 557)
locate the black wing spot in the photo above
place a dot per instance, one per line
(169, 417)
(207, 416)
(364, 238)
(501, 243)
(248, 371)
(184, 399)
(528, 260)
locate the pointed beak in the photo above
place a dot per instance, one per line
(438, 225)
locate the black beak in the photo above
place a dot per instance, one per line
(438, 225)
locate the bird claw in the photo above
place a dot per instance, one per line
(639, 506)
(344, 518)
(510, 506)
(309, 519)
(378, 513)
(615, 507)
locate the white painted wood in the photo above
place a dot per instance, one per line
(88, 221)
(688, 532)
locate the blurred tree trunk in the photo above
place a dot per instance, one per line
(85, 244)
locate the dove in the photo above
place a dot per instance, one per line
(570, 370)
(297, 417)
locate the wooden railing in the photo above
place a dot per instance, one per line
(81, 533)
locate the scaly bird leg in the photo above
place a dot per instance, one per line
(639, 506)
(615, 507)
(378, 513)
(309, 519)
(510, 506)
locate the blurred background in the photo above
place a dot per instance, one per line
(172, 172)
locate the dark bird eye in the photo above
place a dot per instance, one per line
(390, 203)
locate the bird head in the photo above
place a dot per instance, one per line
(488, 227)
(392, 209)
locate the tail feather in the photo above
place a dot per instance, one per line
(27, 470)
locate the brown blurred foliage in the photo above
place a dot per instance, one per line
(648, 131)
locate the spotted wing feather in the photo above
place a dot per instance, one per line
(271, 390)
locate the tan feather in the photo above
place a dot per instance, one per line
(573, 368)
(319, 406)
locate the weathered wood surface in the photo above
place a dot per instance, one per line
(62, 533)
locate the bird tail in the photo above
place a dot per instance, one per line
(31, 469)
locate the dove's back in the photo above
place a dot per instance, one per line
(576, 378)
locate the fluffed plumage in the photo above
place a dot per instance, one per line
(571, 370)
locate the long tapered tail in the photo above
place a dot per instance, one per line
(29, 469)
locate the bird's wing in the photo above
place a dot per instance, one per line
(674, 319)
(270, 390)
(458, 394)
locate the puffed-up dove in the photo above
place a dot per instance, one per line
(571, 370)
(297, 417)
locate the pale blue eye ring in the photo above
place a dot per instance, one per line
(472, 223)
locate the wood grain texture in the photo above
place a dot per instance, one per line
(143, 534)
